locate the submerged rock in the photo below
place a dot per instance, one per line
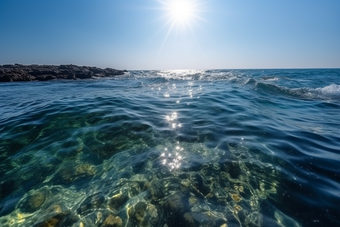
(236, 197)
(116, 202)
(49, 223)
(36, 200)
(18, 72)
(71, 172)
(112, 221)
(216, 194)
(91, 203)
(33, 200)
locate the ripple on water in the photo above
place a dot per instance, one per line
(229, 150)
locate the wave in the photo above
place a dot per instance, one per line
(281, 82)
(329, 92)
(270, 78)
(190, 74)
(332, 91)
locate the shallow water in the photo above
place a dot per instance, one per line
(173, 148)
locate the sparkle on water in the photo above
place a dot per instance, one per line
(216, 151)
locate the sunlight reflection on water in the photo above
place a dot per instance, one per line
(172, 119)
(92, 158)
(173, 158)
(184, 74)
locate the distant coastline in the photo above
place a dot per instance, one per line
(19, 72)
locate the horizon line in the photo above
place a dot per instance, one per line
(174, 69)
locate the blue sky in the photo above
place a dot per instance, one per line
(137, 34)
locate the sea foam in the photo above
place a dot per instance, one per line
(332, 91)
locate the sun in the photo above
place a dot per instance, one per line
(181, 17)
(180, 13)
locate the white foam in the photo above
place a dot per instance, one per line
(332, 91)
(270, 78)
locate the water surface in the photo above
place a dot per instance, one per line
(173, 148)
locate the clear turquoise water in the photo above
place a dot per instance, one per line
(173, 148)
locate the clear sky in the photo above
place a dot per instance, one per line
(167, 34)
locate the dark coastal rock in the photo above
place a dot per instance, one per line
(18, 72)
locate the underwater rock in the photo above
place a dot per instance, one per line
(33, 201)
(177, 210)
(209, 218)
(238, 208)
(233, 168)
(112, 221)
(134, 189)
(199, 185)
(156, 190)
(236, 197)
(85, 169)
(91, 203)
(36, 200)
(66, 174)
(49, 223)
(70, 172)
(140, 195)
(137, 212)
(144, 213)
(193, 200)
(189, 220)
(117, 201)
(52, 221)
(104, 150)
(185, 183)
(153, 214)
(54, 215)
(177, 203)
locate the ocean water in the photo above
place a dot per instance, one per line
(173, 148)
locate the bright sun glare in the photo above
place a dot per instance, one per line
(180, 13)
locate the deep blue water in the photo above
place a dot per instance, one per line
(173, 148)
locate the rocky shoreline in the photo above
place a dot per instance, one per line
(18, 72)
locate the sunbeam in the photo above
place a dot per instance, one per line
(180, 16)
(181, 13)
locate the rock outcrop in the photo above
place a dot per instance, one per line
(18, 72)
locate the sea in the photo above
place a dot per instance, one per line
(172, 148)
